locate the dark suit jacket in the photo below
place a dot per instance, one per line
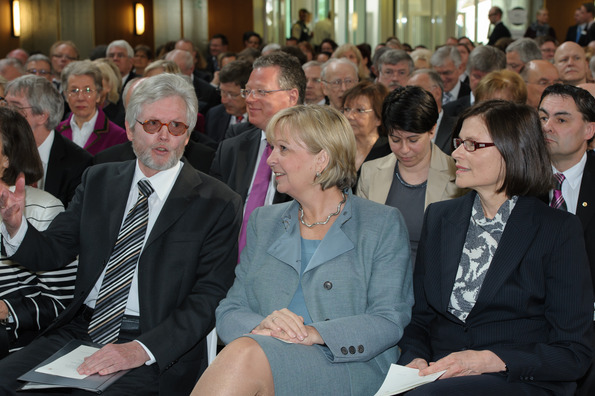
(207, 95)
(236, 159)
(465, 90)
(217, 122)
(500, 30)
(65, 167)
(571, 33)
(585, 209)
(444, 133)
(238, 129)
(196, 154)
(535, 307)
(186, 266)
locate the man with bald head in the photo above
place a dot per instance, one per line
(207, 95)
(538, 75)
(338, 75)
(430, 81)
(19, 54)
(571, 62)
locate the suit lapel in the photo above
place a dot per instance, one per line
(183, 192)
(287, 248)
(518, 235)
(438, 177)
(585, 207)
(101, 127)
(454, 229)
(57, 152)
(383, 179)
(247, 157)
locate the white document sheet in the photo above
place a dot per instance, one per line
(401, 379)
(66, 365)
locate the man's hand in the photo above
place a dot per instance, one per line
(114, 357)
(3, 310)
(12, 205)
(463, 363)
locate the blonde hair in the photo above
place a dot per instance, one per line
(502, 84)
(340, 53)
(111, 74)
(320, 128)
(166, 65)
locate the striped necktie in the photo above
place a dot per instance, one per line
(557, 199)
(113, 295)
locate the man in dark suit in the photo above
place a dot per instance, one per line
(217, 45)
(447, 62)
(500, 30)
(122, 54)
(277, 81)
(232, 110)
(431, 82)
(207, 95)
(63, 161)
(568, 120)
(183, 266)
(574, 32)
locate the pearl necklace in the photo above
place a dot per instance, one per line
(327, 219)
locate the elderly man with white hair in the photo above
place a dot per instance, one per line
(122, 53)
(338, 75)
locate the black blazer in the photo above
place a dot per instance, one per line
(217, 123)
(535, 307)
(465, 90)
(585, 209)
(500, 30)
(207, 95)
(235, 161)
(571, 33)
(186, 266)
(66, 165)
(196, 154)
(444, 133)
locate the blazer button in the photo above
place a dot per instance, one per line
(360, 349)
(352, 350)
(344, 350)
(328, 285)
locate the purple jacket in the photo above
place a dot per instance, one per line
(105, 134)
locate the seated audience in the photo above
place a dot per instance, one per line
(571, 61)
(416, 173)
(521, 51)
(87, 125)
(143, 55)
(351, 52)
(29, 300)
(322, 290)
(538, 75)
(162, 66)
(338, 75)
(503, 298)
(40, 65)
(109, 98)
(547, 46)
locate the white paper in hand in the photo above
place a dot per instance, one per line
(401, 379)
(66, 365)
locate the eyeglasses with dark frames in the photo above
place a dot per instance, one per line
(175, 128)
(470, 145)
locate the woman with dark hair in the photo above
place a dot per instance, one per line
(252, 40)
(28, 301)
(503, 297)
(417, 172)
(143, 55)
(328, 45)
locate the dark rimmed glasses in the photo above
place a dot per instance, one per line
(470, 145)
(175, 128)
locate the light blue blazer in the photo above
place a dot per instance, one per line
(357, 286)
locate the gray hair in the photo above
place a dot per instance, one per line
(4, 63)
(527, 49)
(187, 58)
(394, 56)
(337, 61)
(291, 75)
(434, 76)
(271, 47)
(122, 44)
(311, 64)
(446, 52)
(592, 65)
(158, 87)
(39, 58)
(82, 68)
(42, 96)
(486, 59)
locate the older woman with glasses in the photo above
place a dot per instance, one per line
(322, 290)
(87, 125)
(503, 295)
(416, 173)
(362, 105)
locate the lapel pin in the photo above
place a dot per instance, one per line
(584, 204)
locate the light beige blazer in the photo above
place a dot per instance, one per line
(377, 176)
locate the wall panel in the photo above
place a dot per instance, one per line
(232, 18)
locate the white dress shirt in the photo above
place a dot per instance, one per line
(81, 135)
(572, 184)
(44, 153)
